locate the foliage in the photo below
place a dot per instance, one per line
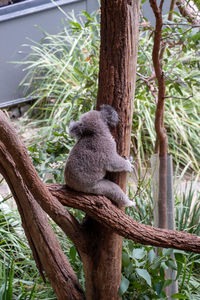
(49, 158)
(8, 284)
(188, 211)
(19, 278)
(61, 70)
(144, 272)
(143, 266)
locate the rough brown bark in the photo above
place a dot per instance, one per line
(102, 210)
(118, 53)
(159, 117)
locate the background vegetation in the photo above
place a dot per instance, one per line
(62, 74)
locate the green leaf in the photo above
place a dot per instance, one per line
(167, 252)
(123, 286)
(175, 13)
(144, 274)
(72, 253)
(88, 16)
(179, 296)
(125, 259)
(177, 88)
(164, 266)
(151, 256)
(180, 261)
(158, 287)
(75, 25)
(167, 283)
(9, 295)
(156, 263)
(138, 253)
(171, 264)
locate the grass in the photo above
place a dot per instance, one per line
(61, 70)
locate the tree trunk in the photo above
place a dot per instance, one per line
(159, 116)
(118, 54)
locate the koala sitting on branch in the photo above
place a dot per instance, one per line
(94, 154)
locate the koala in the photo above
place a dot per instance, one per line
(94, 154)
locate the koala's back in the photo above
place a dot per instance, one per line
(87, 160)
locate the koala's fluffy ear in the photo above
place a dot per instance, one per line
(75, 129)
(109, 115)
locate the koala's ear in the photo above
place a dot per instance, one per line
(109, 115)
(75, 129)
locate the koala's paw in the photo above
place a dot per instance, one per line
(129, 167)
(130, 203)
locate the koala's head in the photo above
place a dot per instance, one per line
(94, 122)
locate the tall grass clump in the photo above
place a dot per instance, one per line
(19, 277)
(61, 69)
(62, 72)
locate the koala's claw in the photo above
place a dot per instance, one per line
(130, 203)
(129, 166)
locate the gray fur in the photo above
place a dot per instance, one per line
(95, 153)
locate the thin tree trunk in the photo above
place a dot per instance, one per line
(118, 54)
(159, 117)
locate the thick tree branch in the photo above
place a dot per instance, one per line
(103, 211)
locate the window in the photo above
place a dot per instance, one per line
(10, 9)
